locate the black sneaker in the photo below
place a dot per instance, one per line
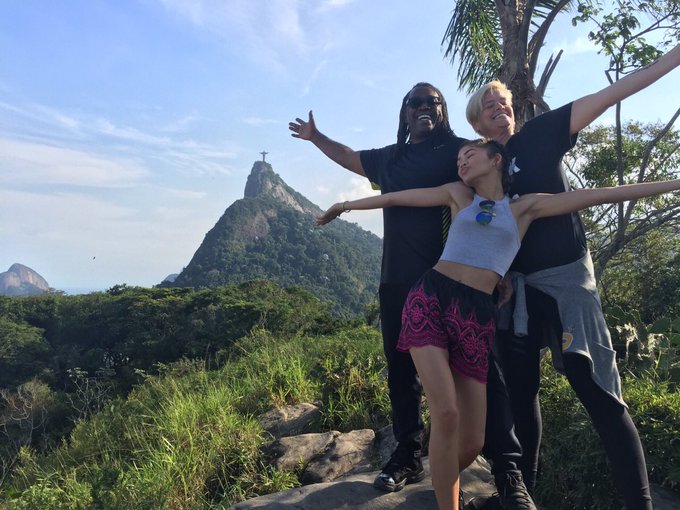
(461, 500)
(512, 493)
(403, 467)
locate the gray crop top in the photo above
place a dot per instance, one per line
(492, 246)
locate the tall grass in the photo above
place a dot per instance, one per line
(574, 472)
(188, 439)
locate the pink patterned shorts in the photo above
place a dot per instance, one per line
(452, 316)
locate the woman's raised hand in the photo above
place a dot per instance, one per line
(333, 212)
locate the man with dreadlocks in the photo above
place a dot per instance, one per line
(424, 156)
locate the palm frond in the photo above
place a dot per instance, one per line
(473, 40)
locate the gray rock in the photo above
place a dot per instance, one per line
(20, 280)
(293, 453)
(357, 492)
(664, 499)
(350, 452)
(385, 444)
(289, 421)
(338, 471)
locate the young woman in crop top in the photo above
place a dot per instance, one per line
(448, 321)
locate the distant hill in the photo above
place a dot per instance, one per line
(20, 280)
(271, 234)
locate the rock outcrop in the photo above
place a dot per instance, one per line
(20, 280)
(264, 181)
(337, 470)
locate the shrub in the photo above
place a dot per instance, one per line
(187, 438)
(575, 473)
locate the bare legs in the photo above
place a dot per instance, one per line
(457, 419)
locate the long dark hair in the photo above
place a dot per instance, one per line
(442, 132)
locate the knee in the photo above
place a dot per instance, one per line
(445, 419)
(469, 448)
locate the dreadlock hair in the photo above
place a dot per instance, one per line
(441, 133)
(492, 147)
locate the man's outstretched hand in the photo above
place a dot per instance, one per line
(302, 129)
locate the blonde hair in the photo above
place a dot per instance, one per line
(476, 102)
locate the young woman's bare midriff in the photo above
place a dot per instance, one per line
(475, 277)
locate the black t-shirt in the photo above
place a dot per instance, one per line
(537, 150)
(413, 236)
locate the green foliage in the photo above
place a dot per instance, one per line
(645, 277)
(187, 438)
(131, 329)
(22, 350)
(353, 382)
(48, 494)
(573, 462)
(175, 443)
(655, 406)
(473, 37)
(622, 34)
(343, 371)
(65, 358)
(634, 244)
(646, 348)
(27, 415)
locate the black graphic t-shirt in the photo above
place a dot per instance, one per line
(537, 150)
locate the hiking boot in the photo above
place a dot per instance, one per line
(512, 493)
(403, 467)
(461, 500)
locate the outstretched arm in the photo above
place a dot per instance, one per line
(588, 108)
(541, 205)
(341, 154)
(420, 197)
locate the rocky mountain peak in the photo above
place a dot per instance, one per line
(20, 280)
(264, 181)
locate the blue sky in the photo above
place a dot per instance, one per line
(127, 127)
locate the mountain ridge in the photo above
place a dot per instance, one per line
(271, 234)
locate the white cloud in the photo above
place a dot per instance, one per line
(180, 125)
(360, 187)
(259, 121)
(313, 77)
(68, 217)
(52, 131)
(171, 213)
(41, 114)
(106, 127)
(35, 163)
(328, 5)
(184, 193)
